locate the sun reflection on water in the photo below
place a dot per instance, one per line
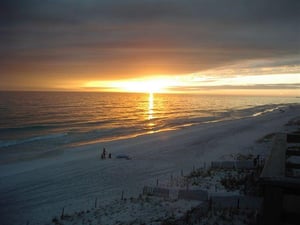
(150, 109)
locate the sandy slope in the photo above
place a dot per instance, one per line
(37, 191)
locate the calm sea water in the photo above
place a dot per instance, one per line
(39, 122)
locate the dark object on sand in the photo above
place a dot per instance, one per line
(123, 156)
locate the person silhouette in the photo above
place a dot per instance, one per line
(104, 153)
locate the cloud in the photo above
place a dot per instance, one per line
(269, 65)
(127, 38)
(207, 89)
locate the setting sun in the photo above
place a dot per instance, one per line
(156, 85)
(148, 86)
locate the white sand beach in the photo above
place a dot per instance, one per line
(34, 192)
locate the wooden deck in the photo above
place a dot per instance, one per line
(275, 164)
(281, 192)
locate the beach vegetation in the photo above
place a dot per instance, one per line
(200, 173)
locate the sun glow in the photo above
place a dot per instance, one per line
(272, 84)
(154, 85)
(147, 86)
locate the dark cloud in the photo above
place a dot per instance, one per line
(125, 37)
(235, 11)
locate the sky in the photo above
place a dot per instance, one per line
(198, 46)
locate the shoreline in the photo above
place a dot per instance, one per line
(62, 139)
(129, 144)
(37, 190)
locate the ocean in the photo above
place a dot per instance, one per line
(37, 123)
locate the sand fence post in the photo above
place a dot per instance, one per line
(156, 182)
(96, 202)
(62, 213)
(122, 196)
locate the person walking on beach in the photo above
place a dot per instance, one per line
(104, 153)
